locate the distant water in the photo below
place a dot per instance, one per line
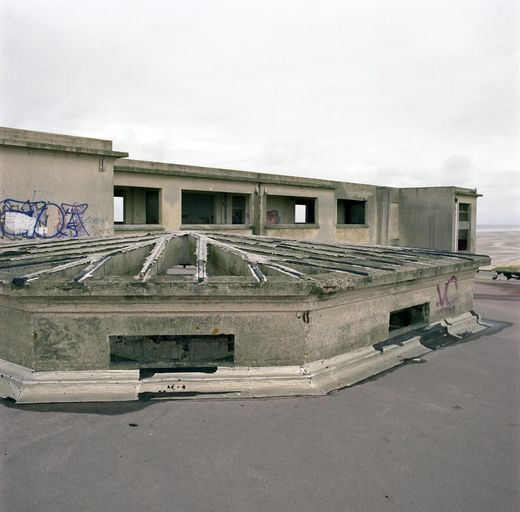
(482, 228)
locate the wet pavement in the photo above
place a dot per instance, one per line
(438, 435)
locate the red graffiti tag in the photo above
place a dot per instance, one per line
(443, 294)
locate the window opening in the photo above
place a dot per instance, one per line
(171, 350)
(351, 211)
(463, 240)
(214, 208)
(136, 205)
(238, 213)
(119, 207)
(464, 212)
(409, 316)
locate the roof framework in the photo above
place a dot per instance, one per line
(203, 257)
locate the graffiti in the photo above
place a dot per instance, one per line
(447, 299)
(41, 219)
(271, 217)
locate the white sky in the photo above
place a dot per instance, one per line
(400, 93)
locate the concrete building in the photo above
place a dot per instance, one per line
(122, 279)
(57, 186)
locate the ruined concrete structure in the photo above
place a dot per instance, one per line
(113, 318)
(199, 290)
(58, 186)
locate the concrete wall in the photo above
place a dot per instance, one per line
(55, 186)
(358, 319)
(69, 188)
(16, 338)
(171, 208)
(171, 188)
(426, 217)
(270, 329)
(325, 210)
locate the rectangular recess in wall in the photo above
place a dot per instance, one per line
(463, 240)
(350, 211)
(136, 205)
(171, 350)
(409, 317)
(289, 210)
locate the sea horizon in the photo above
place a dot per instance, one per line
(498, 227)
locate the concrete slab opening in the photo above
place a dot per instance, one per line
(171, 351)
(414, 316)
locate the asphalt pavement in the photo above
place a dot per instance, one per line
(441, 435)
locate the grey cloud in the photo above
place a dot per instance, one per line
(400, 93)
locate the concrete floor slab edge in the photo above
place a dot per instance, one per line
(318, 378)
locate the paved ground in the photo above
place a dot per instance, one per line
(438, 436)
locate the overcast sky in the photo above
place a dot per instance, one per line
(401, 93)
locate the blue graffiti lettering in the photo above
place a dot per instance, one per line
(41, 219)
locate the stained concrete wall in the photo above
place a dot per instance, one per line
(16, 338)
(266, 193)
(55, 186)
(324, 213)
(64, 186)
(426, 217)
(355, 320)
(171, 188)
(171, 207)
(276, 330)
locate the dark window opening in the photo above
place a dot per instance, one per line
(198, 208)
(214, 208)
(463, 240)
(136, 205)
(171, 351)
(409, 316)
(152, 206)
(351, 211)
(464, 212)
(238, 214)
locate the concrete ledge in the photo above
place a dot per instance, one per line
(26, 386)
(216, 227)
(141, 228)
(301, 225)
(318, 378)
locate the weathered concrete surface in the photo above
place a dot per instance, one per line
(429, 217)
(442, 435)
(285, 302)
(55, 186)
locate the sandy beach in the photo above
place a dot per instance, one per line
(501, 243)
